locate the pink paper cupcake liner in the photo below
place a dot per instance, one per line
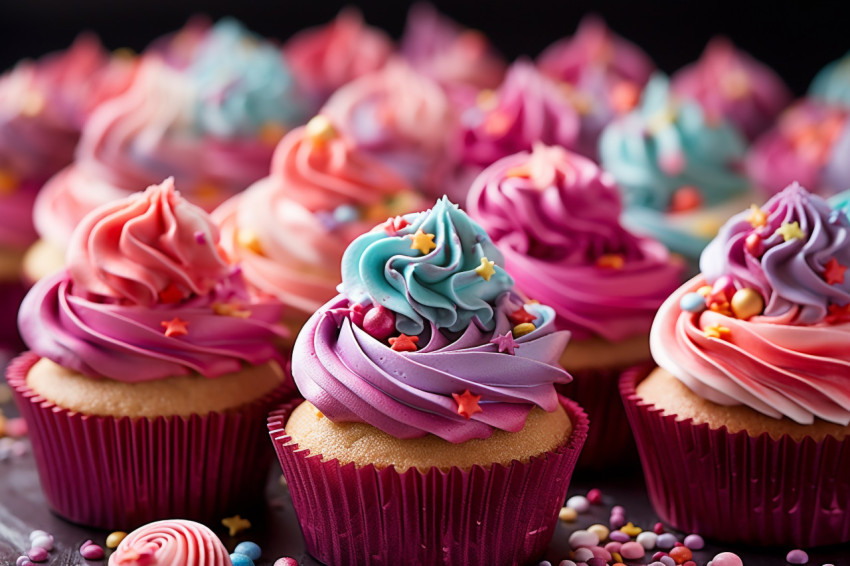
(496, 515)
(737, 488)
(119, 473)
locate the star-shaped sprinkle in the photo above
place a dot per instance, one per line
(404, 343)
(791, 231)
(610, 261)
(757, 217)
(836, 313)
(236, 524)
(486, 269)
(171, 294)
(422, 241)
(235, 310)
(717, 331)
(833, 272)
(393, 225)
(520, 316)
(522, 329)
(175, 327)
(467, 404)
(505, 343)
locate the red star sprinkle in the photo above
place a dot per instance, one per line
(520, 316)
(393, 225)
(170, 294)
(833, 272)
(404, 343)
(838, 313)
(467, 404)
(175, 327)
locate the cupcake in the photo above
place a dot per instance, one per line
(290, 229)
(602, 75)
(743, 429)
(680, 173)
(431, 415)
(555, 217)
(150, 370)
(832, 83)
(729, 84)
(171, 543)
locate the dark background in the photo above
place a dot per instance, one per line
(795, 37)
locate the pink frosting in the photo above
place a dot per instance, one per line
(730, 84)
(319, 196)
(325, 58)
(555, 216)
(174, 542)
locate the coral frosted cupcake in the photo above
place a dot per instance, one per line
(743, 430)
(421, 383)
(151, 369)
(555, 217)
(173, 542)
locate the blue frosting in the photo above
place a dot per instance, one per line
(440, 287)
(832, 83)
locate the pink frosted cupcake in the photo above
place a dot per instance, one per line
(420, 387)
(555, 217)
(173, 542)
(289, 230)
(729, 84)
(744, 429)
(151, 369)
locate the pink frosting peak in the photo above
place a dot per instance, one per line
(555, 216)
(174, 542)
(730, 84)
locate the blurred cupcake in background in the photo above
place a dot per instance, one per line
(681, 174)
(730, 84)
(602, 75)
(832, 83)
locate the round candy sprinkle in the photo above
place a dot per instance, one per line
(43, 541)
(658, 555)
(286, 561)
(36, 534)
(618, 510)
(600, 530)
(594, 497)
(544, 563)
(241, 560)
(797, 556)
(379, 322)
(727, 559)
(667, 561)
(582, 538)
(597, 561)
(566, 563)
(690, 563)
(613, 546)
(694, 542)
(345, 213)
(631, 551)
(647, 539)
(114, 539)
(619, 536)
(37, 554)
(658, 528)
(681, 554)
(579, 503)
(567, 514)
(249, 549)
(666, 541)
(656, 564)
(599, 552)
(615, 522)
(582, 554)
(24, 561)
(692, 302)
(91, 551)
(747, 303)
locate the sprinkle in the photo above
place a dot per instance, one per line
(582, 538)
(594, 496)
(692, 302)
(681, 554)
(521, 316)
(797, 556)
(171, 294)
(600, 530)
(791, 231)
(236, 524)
(404, 343)
(286, 561)
(717, 331)
(836, 313)
(579, 503)
(467, 404)
(230, 309)
(647, 539)
(727, 559)
(345, 213)
(757, 217)
(631, 530)
(91, 551)
(393, 225)
(613, 546)
(631, 551)
(567, 514)
(705, 290)
(24, 561)
(37, 554)
(666, 541)
(834, 272)
(617, 535)
(486, 269)
(43, 541)
(746, 303)
(610, 261)
(200, 237)
(240, 560)
(175, 327)
(379, 322)
(505, 343)
(115, 538)
(685, 198)
(754, 244)
(36, 534)
(319, 129)
(694, 542)
(582, 554)
(658, 528)
(522, 329)
(422, 241)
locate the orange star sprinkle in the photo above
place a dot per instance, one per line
(717, 331)
(404, 343)
(610, 261)
(834, 272)
(757, 217)
(175, 327)
(422, 241)
(838, 313)
(467, 404)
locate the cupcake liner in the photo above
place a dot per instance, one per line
(737, 488)
(11, 295)
(121, 472)
(496, 515)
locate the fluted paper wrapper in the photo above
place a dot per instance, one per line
(495, 515)
(734, 487)
(119, 473)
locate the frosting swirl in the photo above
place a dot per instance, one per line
(555, 216)
(174, 542)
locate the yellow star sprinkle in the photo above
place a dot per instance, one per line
(422, 241)
(717, 331)
(757, 217)
(236, 524)
(486, 270)
(790, 231)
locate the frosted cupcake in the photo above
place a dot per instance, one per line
(427, 377)
(680, 173)
(151, 369)
(555, 217)
(171, 543)
(289, 230)
(602, 74)
(743, 430)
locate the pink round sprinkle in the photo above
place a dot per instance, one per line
(690, 563)
(619, 536)
(616, 522)
(582, 554)
(694, 542)
(91, 551)
(16, 427)
(23, 561)
(632, 551)
(596, 561)
(613, 546)
(618, 510)
(42, 541)
(286, 561)
(37, 554)
(594, 496)
(600, 552)
(658, 528)
(727, 559)
(797, 556)
(379, 322)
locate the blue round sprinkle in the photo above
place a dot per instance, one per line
(249, 549)
(240, 560)
(692, 302)
(345, 213)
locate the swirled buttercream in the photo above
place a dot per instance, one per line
(174, 542)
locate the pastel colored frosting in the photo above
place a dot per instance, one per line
(325, 58)
(555, 217)
(456, 315)
(402, 118)
(832, 83)
(290, 229)
(791, 360)
(730, 84)
(148, 294)
(174, 542)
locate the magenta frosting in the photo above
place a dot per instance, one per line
(554, 214)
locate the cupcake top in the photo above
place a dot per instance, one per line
(174, 542)
(555, 216)
(832, 83)
(290, 229)
(767, 323)
(148, 294)
(730, 84)
(428, 336)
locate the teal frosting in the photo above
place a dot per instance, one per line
(663, 130)
(243, 83)
(441, 287)
(832, 83)
(841, 203)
